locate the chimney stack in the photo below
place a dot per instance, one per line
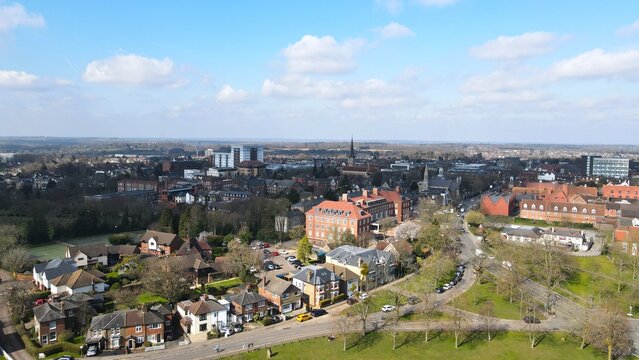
(365, 192)
(345, 197)
(309, 275)
(375, 191)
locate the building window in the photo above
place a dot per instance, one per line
(52, 325)
(564, 209)
(155, 326)
(203, 317)
(585, 211)
(533, 207)
(44, 339)
(261, 304)
(248, 307)
(284, 296)
(574, 209)
(167, 323)
(52, 336)
(202, 327)
(138, 328)
(525, 206)
(556, 208)
(541, 208)
(139, 339)
(594, 211)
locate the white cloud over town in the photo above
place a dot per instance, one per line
(517, 47)
(321, 55)
(395, 30)
(130, 69)
(13, 16)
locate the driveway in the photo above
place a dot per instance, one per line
(9, 339)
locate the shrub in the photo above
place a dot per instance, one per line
(147, 344)
(268, 321)
(66, 336)
(212, 334)
(120, 239)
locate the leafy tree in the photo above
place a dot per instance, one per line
(293, 196)
(240, 261)
(37, 229)
(344, 185)
(331, 195)
(363, 272)
(304, 249)
(166, 220)
(245, 236)
(475, 218)
(183, 230)
(297, 232)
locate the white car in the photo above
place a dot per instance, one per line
(290, 258)
(92, 350)
(283, 252)
(363, 296)
(446, 287)
(387, 308)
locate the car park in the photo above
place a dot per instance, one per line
(387, 308)
(275, 253)
(303, 317)
(318, 312)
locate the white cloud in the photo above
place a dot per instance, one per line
(504, 80)
(392, 6)
(503, 97)
(516, 47)
(131, 70)
(229, 95)
(321, 55)
(395, 30)
(13, 16)
(295, 86)
(598, 63)
(629, 30)
(17, 79)
(436, 2)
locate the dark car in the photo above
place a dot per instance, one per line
(531, 320)
(351, 301)
(65, 357)
(439, 290)
(266, 252)
(296, 263)
(318, 312)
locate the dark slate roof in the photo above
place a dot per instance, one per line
(319, 275)
(246, 297)
(535, 232)
(51, 311)
(201, 307)
(125, 318)
(351, 255)
(123, 250)
(56, 267)
(276, 285)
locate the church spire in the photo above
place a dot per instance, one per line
(352, 149)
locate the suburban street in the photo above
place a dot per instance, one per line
(9, 339)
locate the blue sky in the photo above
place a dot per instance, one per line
(430, 70)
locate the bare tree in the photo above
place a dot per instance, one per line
(240, 261)
(611, 331)
(551, 267)
(407, 231)
(395, 298)
(362, 310)
(280, 226)
(488, 319)
(583, 326)
(165, 277)
(429, 307)
(620, 260)
(532, 323)
(344, 324)
(458, 322)
(15, 258)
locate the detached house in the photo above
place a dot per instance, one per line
(317, 284)
(52, 318)
(88, 255)
(246, 305)
(203, 315)
(79, 281)
(159, 243)
(381, 264)
(43, 273)
(281, 293)
(130, 328)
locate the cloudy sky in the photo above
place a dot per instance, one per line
(428, 70)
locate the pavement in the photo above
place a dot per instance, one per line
(9, 338)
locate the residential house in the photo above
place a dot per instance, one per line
(159, 243)
(556, 236)
(118, 252)
(349, 280)
(130, 328)
(52, 318)
(88, 255)
(282, 294)
(79, 281)
(193, 246)
(198, 270)
(43, 273)
(246, 305)
(203, 315)
(381, 264)
(317, 284)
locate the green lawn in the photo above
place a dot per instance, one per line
(375, 346)
(57, 249)
(482, 293)
(150, 299)
(220, 287)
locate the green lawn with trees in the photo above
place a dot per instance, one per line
(510, 346)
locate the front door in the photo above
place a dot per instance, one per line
(131, 343)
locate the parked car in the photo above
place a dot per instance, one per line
(39, 302)
(92, 350)
(363, 296)
(227, 331)
(387, 308)
(531, 320)
(274, 319)
(283, 252)
(351, 301)
(318, 312)
(238, 328)
(275, 253)
(65, 357)
(446, 287)
(440, 290)
(290, 258)
(266, 245)
(303, 317)
(266, 252)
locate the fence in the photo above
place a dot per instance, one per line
(154, 348)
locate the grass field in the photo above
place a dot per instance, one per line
(151, 299)
(376, 301)
(511, 346)
(479, 294)
(52, 250)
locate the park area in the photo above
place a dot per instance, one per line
(379, 345)
(58, 249)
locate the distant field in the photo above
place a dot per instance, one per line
(49, 251)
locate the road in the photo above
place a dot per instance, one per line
(9, 339)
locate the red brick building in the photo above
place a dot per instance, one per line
(622, 191)
(497, 205)
(159, 243)
(137, 185)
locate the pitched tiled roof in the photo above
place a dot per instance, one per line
(56, 267)
(348, 209)
(246, 297)
(76, 279)
(351, 255)
(125, 318)
(318, 275)
(52, 311)
(276, 285)
(162, 238)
